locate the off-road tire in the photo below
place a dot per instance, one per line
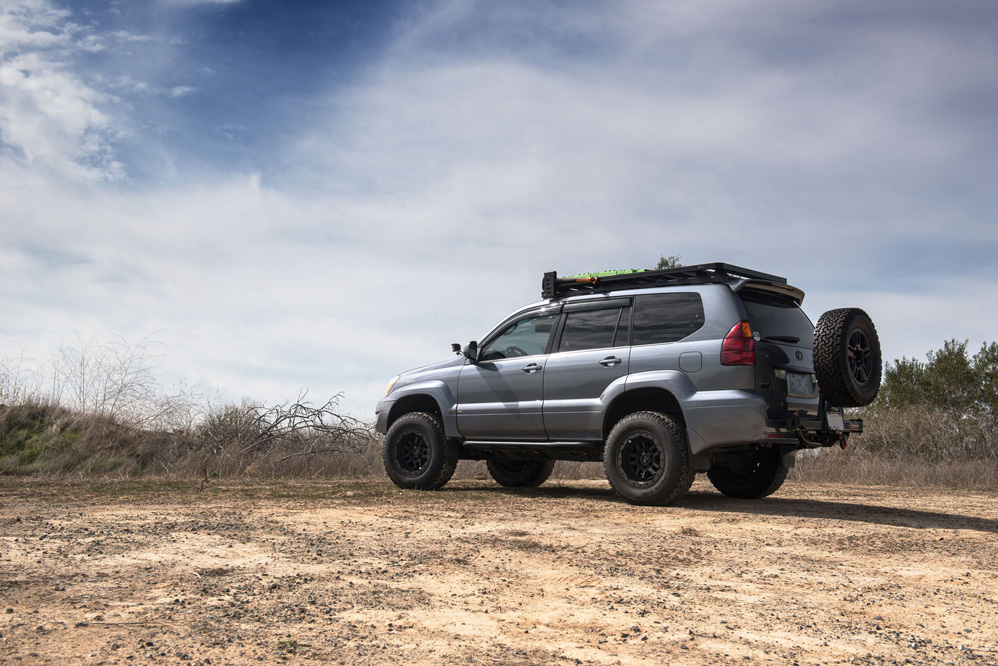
(759, 473)
(646, 459)
(520, 473)
(416, 454)
(847, 358)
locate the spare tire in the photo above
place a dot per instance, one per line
(847, 357)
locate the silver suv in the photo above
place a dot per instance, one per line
(658, 374)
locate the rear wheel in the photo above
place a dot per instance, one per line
(416, 454)
(646, 459)
(755, 474)
(520, 473)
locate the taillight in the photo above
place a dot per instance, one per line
(738, 347)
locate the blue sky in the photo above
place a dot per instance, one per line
(321, 194)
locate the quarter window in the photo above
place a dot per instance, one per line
(662, 318)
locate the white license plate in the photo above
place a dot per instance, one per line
(798, 384)
(835, 422)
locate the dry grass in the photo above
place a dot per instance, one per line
(37, 438)
(912, 448)
(859, 465)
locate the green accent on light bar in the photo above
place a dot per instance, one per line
(603, 274)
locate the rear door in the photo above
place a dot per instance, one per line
(784, 358)
(500, 398)
(590, 354)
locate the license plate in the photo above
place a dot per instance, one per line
(798, 384)
(835, 421)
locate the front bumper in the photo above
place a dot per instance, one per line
(381, 415)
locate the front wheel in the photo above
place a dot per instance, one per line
(755, 474)
(646, 459)
(416, 454)
(520, 473)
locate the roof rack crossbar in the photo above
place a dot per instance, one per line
(554, 287)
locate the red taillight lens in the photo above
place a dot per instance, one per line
(738, 347)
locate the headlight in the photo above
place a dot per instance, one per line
(391, 384)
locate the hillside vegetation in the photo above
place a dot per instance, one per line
(934, 422)
(105, 415)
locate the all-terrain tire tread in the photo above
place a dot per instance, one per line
(830, 362)
(678, 434)
(749, 489)
(450, 448)
(542, 474)
(781, 476)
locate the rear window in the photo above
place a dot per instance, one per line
(666, 317)
(772, 315)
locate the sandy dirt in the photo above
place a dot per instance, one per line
(362, 573)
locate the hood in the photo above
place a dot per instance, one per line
(432, 371)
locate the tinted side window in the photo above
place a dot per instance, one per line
(589, 329)
(525, 337)
(666, 317)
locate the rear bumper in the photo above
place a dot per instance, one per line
(716, 419)
(720, 419)
(811, 430)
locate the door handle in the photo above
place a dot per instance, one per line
(529, 369)
(610, 361)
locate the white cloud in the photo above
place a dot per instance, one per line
(194, 3)
(91, 43)
(49, 117)
(182, 91)
(126, 36)
(423, 201)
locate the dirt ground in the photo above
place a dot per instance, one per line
(359, 572)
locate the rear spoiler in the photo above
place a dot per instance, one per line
(771, 287)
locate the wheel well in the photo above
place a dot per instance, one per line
(641, 400)
(414, 403)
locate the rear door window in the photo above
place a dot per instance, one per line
(662, 318)
(590, 329)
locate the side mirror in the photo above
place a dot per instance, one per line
(471, 351)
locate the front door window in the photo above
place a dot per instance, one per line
(525, 337)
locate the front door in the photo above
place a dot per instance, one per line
(500, 398)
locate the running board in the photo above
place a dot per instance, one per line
(579, 451)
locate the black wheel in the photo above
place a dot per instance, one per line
(416, 454)
(520, 473)
(757, 473)
(646, 459)
(847, 357)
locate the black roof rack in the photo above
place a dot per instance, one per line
(554, 287)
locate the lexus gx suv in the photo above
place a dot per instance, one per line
(657, 374)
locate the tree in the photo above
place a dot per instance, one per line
(672, 261)
(942, 409)
(949, 379)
